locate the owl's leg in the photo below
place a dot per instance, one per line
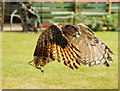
(36, 66)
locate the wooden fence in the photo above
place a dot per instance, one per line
(66, 12)
(61, 12)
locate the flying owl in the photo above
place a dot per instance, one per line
(71, 44)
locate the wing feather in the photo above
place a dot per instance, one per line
(93, 50)
(53, 45)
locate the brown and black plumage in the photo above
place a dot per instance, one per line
(71, 44)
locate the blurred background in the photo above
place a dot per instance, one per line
(99, 15)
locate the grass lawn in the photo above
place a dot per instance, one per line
(17, 51)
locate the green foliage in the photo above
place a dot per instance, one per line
(111, 21)
(95, 25)
(98, 24)
(17, 51)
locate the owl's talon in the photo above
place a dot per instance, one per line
(40, 69)
(30, 63)
(36, 67)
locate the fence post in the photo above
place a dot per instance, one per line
(3, 7)
(109, 7)
(108, 12)
(75, 12)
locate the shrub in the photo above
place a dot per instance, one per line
(111, 21)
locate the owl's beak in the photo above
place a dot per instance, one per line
(78, 34)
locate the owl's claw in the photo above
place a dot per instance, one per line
(30, 63)
(40, 69)
(36, 67)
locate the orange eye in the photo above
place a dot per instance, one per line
(74, 30)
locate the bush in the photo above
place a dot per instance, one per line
(95, 25)
(111, 22)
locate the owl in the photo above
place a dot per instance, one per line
(72, 45)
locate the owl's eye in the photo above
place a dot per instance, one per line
(74, 30)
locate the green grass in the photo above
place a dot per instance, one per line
(18, 48)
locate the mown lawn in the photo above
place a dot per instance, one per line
(17, 51)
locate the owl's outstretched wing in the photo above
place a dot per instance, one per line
(53, 45)
(93, 50)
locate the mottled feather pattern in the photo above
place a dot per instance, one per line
(55, 44)
(93, 50)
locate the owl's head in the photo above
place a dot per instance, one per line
(71, 31)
